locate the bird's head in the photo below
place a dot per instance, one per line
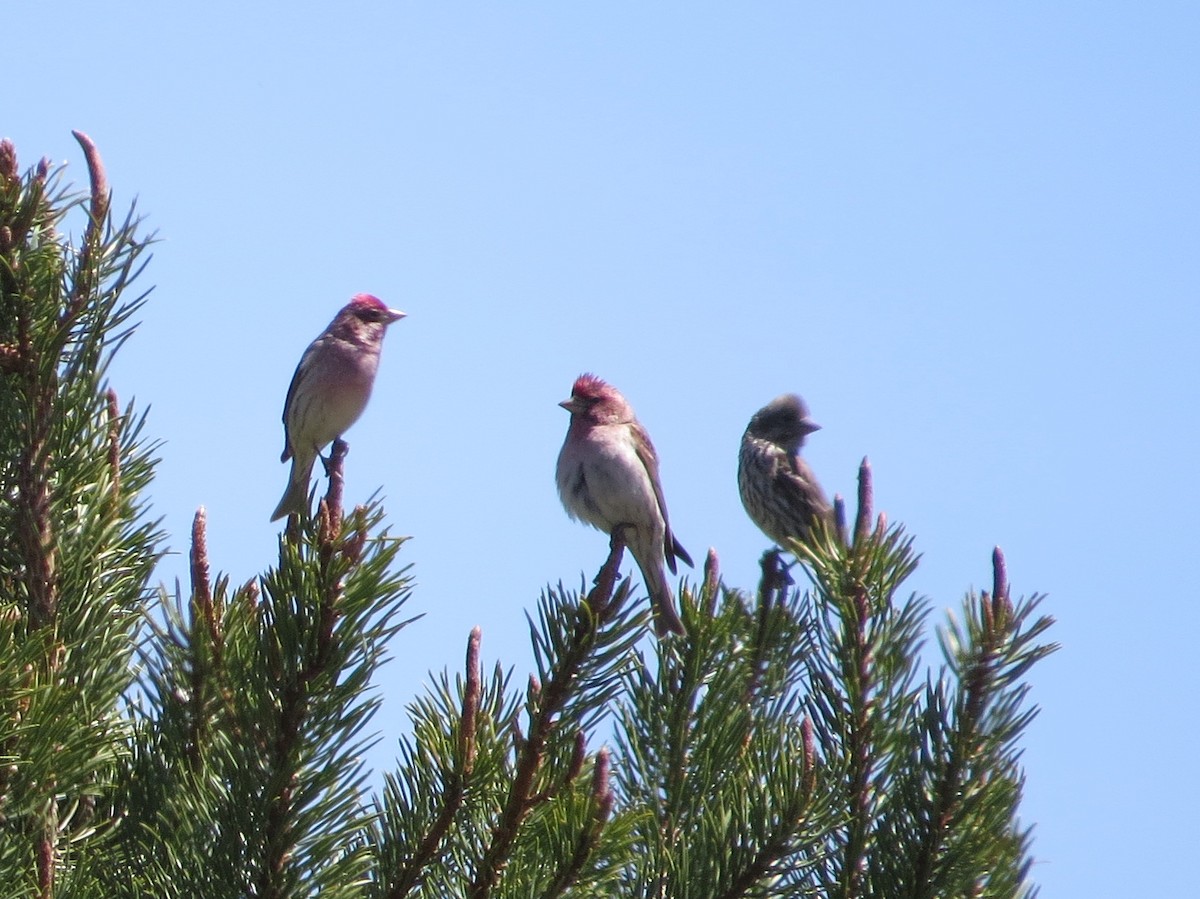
(597, 402)
(783, 421)
(372, 310)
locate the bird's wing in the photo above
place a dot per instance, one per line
(649, 459)
(287, 403)
(798, 487)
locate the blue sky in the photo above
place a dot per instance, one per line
(967, 234)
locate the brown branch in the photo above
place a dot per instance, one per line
(545, 704)
(202, 624)
(761, 865)
(329, 530)
(772, 590)
(408, 877)
(978, 679)
(602, 803)
(712, 583)
(45, 865)
(98, 179)
(198, 558)
(861, 739)
(839, 519)
(294, 700)
(577, 758)
(35, 531)
(859, 678)
(866, 498)
(335, 468)
(81, 290)
(780, 843)
(8, 163)
(472, 692)
(16, 230)
(114, 441)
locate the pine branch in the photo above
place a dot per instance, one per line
(453, 794)
(719, 757)
(781, 842)
(973, 795)
(311, 701)
(546, 704)
(858, 677)
(586, 843)
(978, 682)
(98, 208)
(69, 495)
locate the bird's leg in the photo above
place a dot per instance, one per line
(337, 450)
(775, 570)
(602, 586)
(333, 496)
(616, 546)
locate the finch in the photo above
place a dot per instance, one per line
(330, 390)
(608, 478)
(778, 489)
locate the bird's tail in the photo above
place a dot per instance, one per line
(662, 599)
(295, 498)
(674, 549)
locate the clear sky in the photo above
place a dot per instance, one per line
(967, 234)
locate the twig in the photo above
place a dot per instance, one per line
(114, 442)
(866, 499)
(456, 781)
(92, 235)
(294, 701)
(790, 819)
(545, 704)
(203, 621)
(602, 806)
(772, 590)
(859, 678)
(978, 680)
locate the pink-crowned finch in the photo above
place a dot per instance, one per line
(330, 389)
(608, 478)
(778, 489)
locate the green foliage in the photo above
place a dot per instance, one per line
(208, 743)
(256, 712)
(79, 547)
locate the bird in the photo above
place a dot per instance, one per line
(779, 490)
(608, 477)
(330, 389)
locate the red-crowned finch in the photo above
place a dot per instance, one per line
(330, 390)
(778, 489)
(608, 478)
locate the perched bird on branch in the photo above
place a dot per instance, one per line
(608, 478)
(330, 389)
(778, 489)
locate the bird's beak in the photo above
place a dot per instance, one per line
(571, 405)
(810, 426)
(394, 315)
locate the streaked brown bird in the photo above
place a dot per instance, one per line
(778, 489)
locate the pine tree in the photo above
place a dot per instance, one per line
(208, 743)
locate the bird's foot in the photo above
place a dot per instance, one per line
(775, 569)
(337, 452)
